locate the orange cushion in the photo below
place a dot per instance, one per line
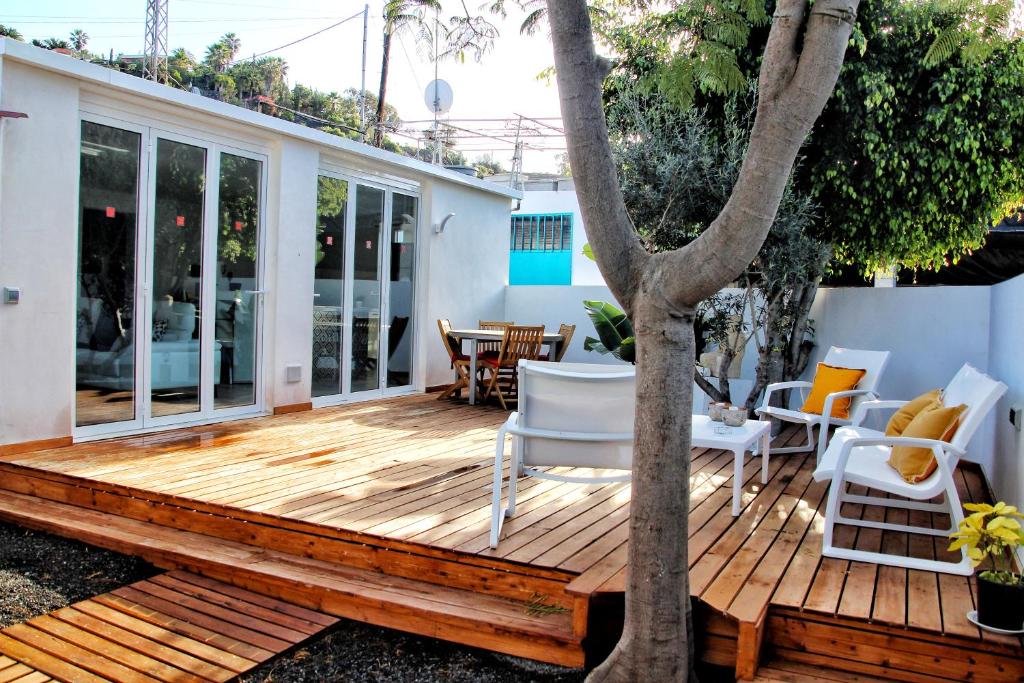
(902, 417)
(917, 464)
(828, 380)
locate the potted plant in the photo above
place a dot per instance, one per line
(994, 531)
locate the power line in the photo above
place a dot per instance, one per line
(294, 42)
(127, 20)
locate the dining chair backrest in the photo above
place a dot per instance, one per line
(445, 327)
(566, 331)
(979, 393)
(577, 397)
(495, 326)
(872, 362)
(520, 342)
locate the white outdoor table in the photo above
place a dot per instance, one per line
(552, 339)
(739, 440)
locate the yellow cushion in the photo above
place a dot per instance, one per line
(902, 417)
(917, 464)
(828, 380)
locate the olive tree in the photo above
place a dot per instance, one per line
(661, 292)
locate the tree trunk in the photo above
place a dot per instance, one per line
(385, 61)
(660, 292)
(657, 641)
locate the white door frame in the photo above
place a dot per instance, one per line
(144, 265)
(384, 283)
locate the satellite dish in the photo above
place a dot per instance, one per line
(438, 96)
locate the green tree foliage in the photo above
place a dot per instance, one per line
(79, 39)
(11, 32)
(912, 163)
(488, 165)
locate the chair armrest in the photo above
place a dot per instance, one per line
(864, 406)
(779, 386)
(826, 409)
(941, 449)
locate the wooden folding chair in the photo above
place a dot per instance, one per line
(490, 348)
(459, 360)
(566, 331)
(519, 342)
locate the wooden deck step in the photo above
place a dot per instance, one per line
(173, 628)
(782, 671)
(536, 631)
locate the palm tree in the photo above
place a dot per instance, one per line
(11, 32)
(79, 39)
(53, 44)
(220, 54)
(398, 14)
(274, 71)
(232, 44)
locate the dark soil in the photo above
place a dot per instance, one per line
(40, 573)
(358, 653)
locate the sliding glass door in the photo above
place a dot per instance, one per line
(169, 305)
(363, 290)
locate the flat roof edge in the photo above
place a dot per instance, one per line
(94, 73)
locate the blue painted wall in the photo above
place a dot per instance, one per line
(540, 267)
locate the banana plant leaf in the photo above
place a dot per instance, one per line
(614, 331)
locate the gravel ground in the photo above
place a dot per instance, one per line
(40, 573)
(358, 653)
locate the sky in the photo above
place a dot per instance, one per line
(504, 84)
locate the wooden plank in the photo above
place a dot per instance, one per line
(184, 627)
(108, 649)
(45, 662)
(34, 677)
(14, 671)
(72, 653)
(174, 653)
(192, 646)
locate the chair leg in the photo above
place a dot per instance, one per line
(513, 475)
(497, 514)
(806, 447)
(833, 516)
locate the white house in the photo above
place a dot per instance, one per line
(168, 259)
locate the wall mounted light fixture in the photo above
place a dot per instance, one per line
(439, 227)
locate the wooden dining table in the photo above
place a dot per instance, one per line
(552, 339)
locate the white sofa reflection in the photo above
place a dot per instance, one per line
(105, 354)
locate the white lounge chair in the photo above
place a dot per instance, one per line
(570, 415)
(858, 455)
(872, 362)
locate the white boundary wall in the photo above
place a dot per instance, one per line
(931, 332)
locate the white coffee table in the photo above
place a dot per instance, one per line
(739, 440)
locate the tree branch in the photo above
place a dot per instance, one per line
(617, 248)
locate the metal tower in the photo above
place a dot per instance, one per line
(155, 53)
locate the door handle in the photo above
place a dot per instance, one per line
(255, 291)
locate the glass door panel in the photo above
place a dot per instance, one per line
(329, 286)
(402, 238)
(177, 278)
(105, 320)
(237, 282)
(364, 318)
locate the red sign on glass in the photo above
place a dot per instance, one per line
(330, 240)
(369, 244)
(179, 221)
(238, 226)
(111, 212)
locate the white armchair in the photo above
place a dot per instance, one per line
(858, 455)
(872, 362)
(570, 415)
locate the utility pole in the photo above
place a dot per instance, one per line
(155, 51)
(362, 83)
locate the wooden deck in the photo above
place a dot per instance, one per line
(401, 487)
(173, 628)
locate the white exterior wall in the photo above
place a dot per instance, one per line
(38, 240)
(931, 332)
(553, 305)
(460, 274)
(291, 234)
(584, 271)
(1005, 350)
(467, 268)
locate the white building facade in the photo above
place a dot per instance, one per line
(168, 259)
